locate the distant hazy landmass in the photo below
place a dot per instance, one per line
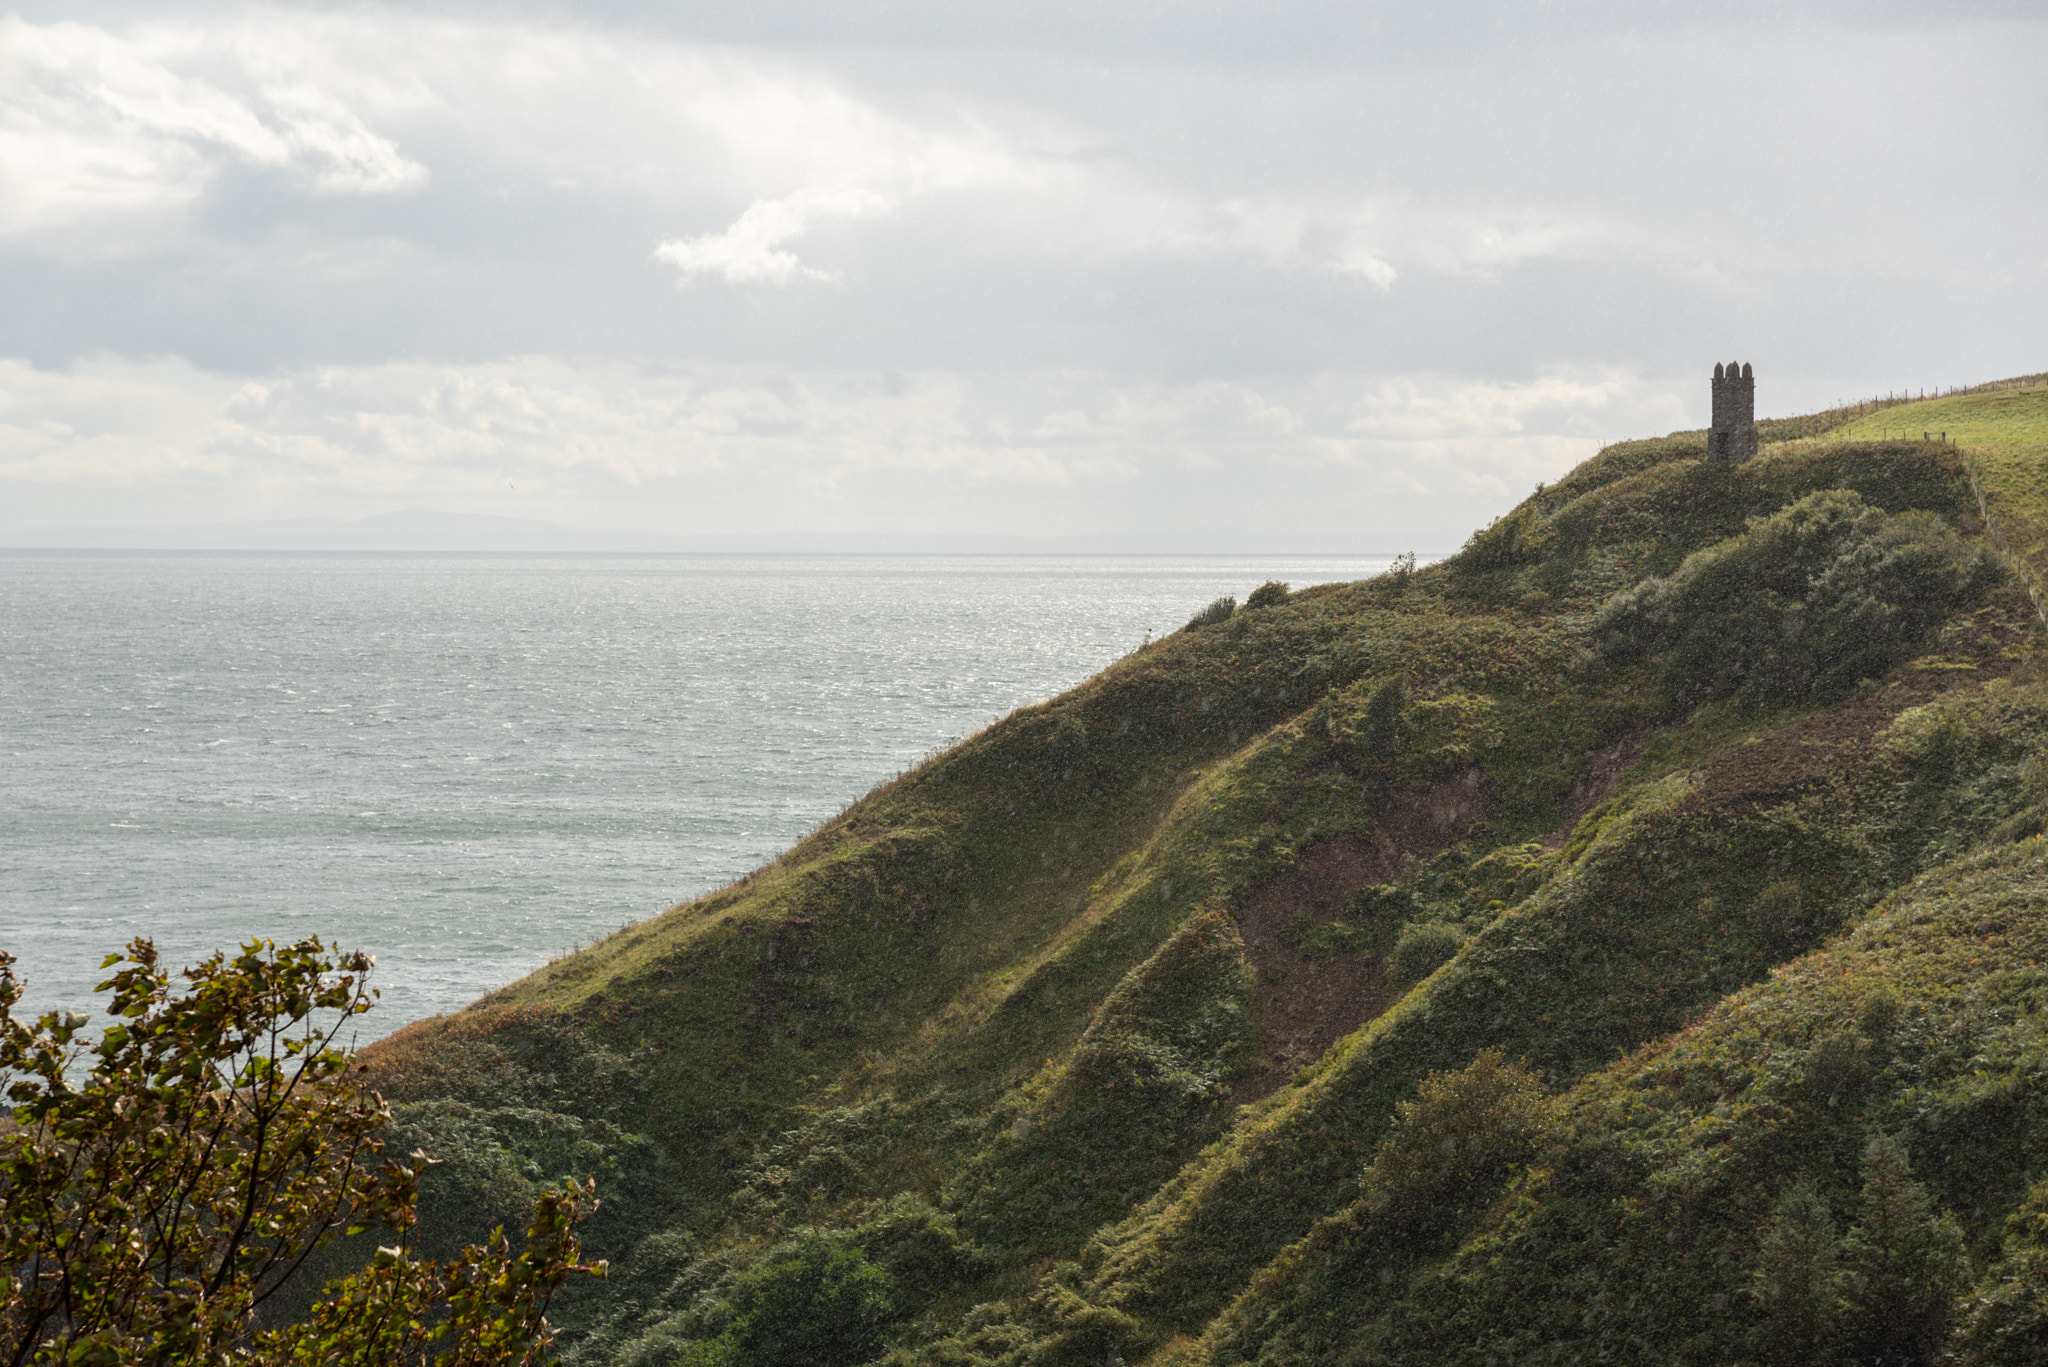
(418, 529)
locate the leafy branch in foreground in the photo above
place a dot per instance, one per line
(160, 1183)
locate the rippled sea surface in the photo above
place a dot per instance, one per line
(467, 763)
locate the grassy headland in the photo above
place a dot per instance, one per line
(1461, 965)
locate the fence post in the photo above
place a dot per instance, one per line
(2019, 563)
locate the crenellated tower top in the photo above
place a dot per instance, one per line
(1733, 433)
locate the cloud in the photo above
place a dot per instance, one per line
(101, 134)
(750, 250)
(1115, 290)
(857, 161)
(1337, 459)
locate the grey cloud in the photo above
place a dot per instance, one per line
(1232, 34)
(1292, 202)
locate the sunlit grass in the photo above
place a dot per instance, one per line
(2002, 418)
(2005, 435)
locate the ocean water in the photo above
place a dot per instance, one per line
(465, 764)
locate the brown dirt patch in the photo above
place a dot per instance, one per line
(1813, 751)
(1603, 769)
(1302, 1006)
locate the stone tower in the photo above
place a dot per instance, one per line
(1733, 435)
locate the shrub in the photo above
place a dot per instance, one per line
(1337, 937)
(1780, 916)
(1270, 594)
(1421, 951)
(1797, 1283)
(1381, 902)
(1216, 613)
(818, 1303)
(1837, 1065)
(919, 1246)
(1802, 605)
(1512, 539)
(165, 1182)
(2008, 1322)
(1880, 1014)
(1456, 1142)
(1379, 730)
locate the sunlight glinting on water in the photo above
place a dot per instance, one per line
(466, 763)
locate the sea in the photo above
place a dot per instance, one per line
(467, 764)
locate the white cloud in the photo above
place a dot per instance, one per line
(750, 250)
(1364, 274)
(704, 448)
(100, 135)
(855, 162)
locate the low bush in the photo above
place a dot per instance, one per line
(1379, 730)
(2007, 1326)
(1218, 612)
(818, 1303)
(1421, 951)
(1456, 1142)
(1270, 594)
(1381, 902)
(1802, 605)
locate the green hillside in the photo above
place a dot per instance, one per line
(1619, 942)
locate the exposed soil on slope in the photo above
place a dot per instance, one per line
(1302, 1006)
(1815, 749)
(1603, 768)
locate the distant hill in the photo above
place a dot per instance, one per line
(1621, 942)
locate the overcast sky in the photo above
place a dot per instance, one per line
(1284, 276)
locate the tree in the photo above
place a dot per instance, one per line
(160, 1183)
(1905, 1266)
(1797, 1284)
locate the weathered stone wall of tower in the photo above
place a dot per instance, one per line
(1732, 435)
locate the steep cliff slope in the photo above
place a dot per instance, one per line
(1501, 961)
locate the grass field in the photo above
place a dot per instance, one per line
(2000, 418)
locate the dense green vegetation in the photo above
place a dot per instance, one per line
(1617, 942)
(169, 1182)
(1802, 604)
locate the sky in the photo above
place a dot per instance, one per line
(1289, 276)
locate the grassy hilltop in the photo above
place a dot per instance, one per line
(1620, 942)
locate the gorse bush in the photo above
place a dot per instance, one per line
(817, 1303)
(1222, 610)
(1379, 730)
(1837, 1065)
(1421, 951)
(1456, 1142)
(2008, 1326)
(1270, 594)
(1802, 605)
